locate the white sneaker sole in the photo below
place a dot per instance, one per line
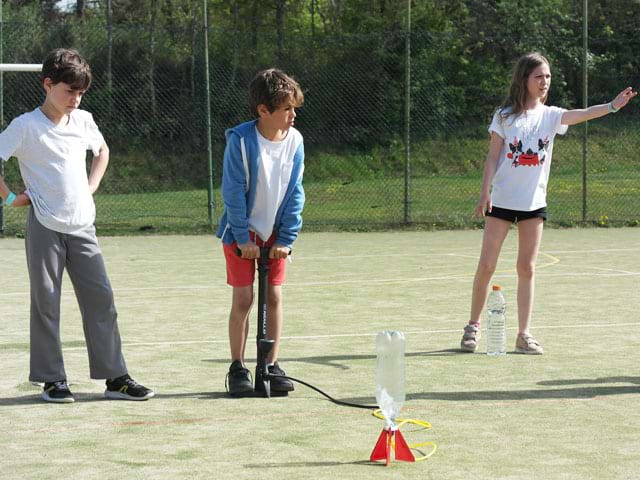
(123, 396)
(47, 398)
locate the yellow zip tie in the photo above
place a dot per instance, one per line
(421, 423)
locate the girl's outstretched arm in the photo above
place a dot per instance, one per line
(571, 117)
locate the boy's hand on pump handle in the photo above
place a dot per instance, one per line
(251, 251)
(279, 251)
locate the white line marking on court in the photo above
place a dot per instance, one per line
(354, 335)
(463, 276)
(200, 259)
(614, 270)
(583, 274)
(599, 250)
(453, 254)
(473, 257)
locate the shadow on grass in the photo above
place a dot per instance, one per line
(591, 381)
(196, 395)
(311, 464)
(338, 361)
(531, 394)
(30, 399)
(586, 392)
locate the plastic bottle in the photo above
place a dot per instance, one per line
(496, 324)
(390, 394)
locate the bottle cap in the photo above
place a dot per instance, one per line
(497, 287)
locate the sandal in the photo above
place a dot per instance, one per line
(528, 345)
(471, 338)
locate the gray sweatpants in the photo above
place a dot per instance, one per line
(48, 254)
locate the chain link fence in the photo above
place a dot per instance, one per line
(149, 93)
(151, 113)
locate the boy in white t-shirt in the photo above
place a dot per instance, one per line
(263, 200)
(51, 144)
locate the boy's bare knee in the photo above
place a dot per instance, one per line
(274, 296)
(242, 299)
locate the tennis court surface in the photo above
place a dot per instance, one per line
(573, 413)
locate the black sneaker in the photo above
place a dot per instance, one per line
(279, 384)
(57, 392)
(126, 388)
(238, 381)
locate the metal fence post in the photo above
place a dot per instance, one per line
(210, 204)
(407, 118)
(585, 104)
(1, 111)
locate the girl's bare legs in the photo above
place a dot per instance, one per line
(495, 231)
(529, 238)
(241, 302)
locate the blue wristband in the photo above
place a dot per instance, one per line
(10, 198)
(611, 109)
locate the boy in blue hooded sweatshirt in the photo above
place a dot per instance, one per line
(263, 200)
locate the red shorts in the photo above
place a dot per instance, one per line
(241, 272)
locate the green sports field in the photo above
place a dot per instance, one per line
(573, 413)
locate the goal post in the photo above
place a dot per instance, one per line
(10, 67)
(20, 67)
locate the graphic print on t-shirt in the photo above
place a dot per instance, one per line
(528, 158)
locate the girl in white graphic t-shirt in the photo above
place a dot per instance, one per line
(514, 186)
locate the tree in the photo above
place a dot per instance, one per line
(109, 72)
(152, 50)
(80, 5)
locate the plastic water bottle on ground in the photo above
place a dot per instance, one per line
(496, 324)
(390, 392)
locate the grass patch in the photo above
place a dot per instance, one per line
(370, 204)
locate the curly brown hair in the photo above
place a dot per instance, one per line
(272, 88)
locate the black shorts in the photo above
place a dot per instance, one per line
(515, 216)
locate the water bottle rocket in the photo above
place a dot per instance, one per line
(390, 397)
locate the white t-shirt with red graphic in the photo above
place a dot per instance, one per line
(522, 174)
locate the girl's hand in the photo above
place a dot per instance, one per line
(22, 200)
(484, 204)
(623, 98)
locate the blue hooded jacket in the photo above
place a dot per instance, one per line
(239, 179)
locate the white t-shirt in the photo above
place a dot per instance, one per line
(274, 173)
(520, 181)
(52, 161)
